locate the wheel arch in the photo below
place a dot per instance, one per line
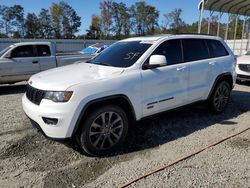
(120, 100)
(222, 77)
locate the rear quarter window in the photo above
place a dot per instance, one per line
(216, 48)
(43, 50)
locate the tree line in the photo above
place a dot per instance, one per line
(114, 21)
(59, 21)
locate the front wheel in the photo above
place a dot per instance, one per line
(220, 97)
(103, 130)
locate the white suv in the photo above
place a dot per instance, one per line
(96, 101)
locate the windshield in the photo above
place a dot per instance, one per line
(248, 53)
(3, 51)
(121, 54)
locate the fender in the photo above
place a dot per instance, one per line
(216, 81)
(102, 99)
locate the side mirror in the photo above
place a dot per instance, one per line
(156, 61)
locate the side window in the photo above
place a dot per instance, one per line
(216, 49)
(194, 49)
(23, 51)
(43, 50)
(172, 50)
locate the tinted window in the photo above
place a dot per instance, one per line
(194, 49)
(43, 50)
(23, 51)
(171, 50)
(216, 49)
(121, 54)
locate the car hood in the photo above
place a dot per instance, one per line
(245, 59)
(59, 79)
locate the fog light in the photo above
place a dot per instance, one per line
(50, 121)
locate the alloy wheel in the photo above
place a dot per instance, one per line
(106, 130)
(221, 97)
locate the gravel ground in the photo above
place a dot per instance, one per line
(29, 159)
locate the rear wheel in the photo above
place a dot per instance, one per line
(220, 97)
(103, 130)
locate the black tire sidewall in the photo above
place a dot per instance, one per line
(213, 95)
(84, 140)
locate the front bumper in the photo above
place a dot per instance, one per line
(242, 75)
(48, 109)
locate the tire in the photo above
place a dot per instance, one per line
(220, 97)
(103, 130)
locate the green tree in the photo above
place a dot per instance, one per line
(32, 26)
(121, 19)
(12, 19)
(70, 20)
(56, 20)
(174, 20)
(94, 30)
(65, 20)
(106, 17)
(144, 18)
(46, 29)
(19, 23)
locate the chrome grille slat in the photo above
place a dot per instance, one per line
(244, 67)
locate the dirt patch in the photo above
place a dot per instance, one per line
(76, 175)
(241, 143)
(20, 148)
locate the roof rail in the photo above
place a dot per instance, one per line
(195, 34)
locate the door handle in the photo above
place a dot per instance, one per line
(212, 63)
(34, 62)
(181, 68)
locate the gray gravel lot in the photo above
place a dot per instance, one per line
(29, 159)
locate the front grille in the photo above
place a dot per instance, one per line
(34, 95)
(244, 67)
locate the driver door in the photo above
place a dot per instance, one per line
(21, 64)
(164, 88)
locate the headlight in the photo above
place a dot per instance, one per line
(58, 96)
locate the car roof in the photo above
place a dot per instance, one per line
(168, 36)
(31, 43)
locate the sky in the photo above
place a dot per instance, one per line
(86, 8)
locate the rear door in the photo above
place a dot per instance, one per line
(196, 55)
(46, 59)
(165, 87)
(22, 63)
(220, 60)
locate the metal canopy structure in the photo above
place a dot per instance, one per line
(229, 7)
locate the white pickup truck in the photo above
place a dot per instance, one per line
(21, 60)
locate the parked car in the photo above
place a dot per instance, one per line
(134, 78)
(94, 49)
(21, 60)
(243, 67)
